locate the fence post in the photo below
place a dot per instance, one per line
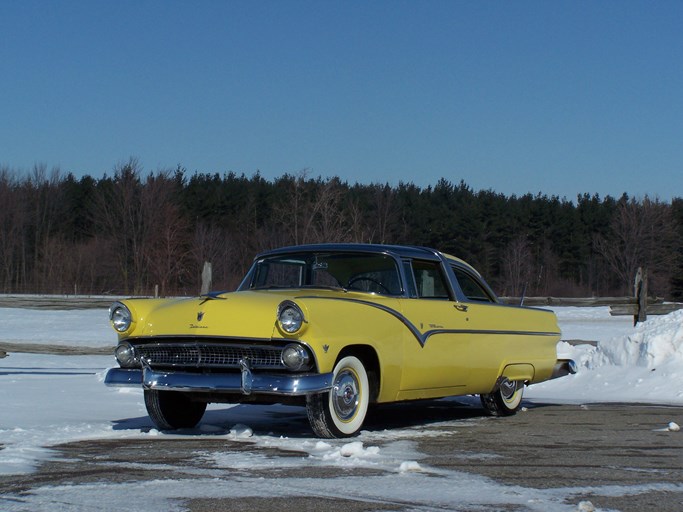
(640, 293)
(206, 278)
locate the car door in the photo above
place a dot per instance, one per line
(436, 351)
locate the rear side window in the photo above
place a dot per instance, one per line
(429, 280)
(471, 287)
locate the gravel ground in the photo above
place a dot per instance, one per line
(542, 447)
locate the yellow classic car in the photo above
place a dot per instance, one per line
(335, 328)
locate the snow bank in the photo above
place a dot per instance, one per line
(642, 364)
(653, 343)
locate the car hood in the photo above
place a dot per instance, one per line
(239, 315)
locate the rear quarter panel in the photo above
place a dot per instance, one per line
(510, 335)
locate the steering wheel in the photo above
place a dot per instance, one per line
(369, 279)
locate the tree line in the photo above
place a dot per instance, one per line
(126, 233)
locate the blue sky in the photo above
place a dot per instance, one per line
(551, 97)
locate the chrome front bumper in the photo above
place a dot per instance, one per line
(245, 382)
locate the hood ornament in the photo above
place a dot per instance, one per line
(211, 296)
(200, 315)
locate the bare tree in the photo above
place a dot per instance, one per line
(166, 233)
(167, 252)
(373, 222)
(93, 266)
(385, 212)
(643, 234)
(311, 211)
(44, 190)
(517, 265)
(359, 231)
(13, 224)
(327, 222)
(290, 211)
(118, 212)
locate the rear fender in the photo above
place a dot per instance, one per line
(519, 372)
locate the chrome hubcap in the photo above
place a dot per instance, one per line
(346, 395)
(508, 389)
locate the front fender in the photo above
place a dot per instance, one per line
(338, 323)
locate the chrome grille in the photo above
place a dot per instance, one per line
(208, 355)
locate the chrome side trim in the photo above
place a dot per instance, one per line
(286, 385)
(423, 337)
(488, 331)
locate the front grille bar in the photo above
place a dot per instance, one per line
(209, 355)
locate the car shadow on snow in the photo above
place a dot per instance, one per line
(292, 422)
(423, 413)
(221, 419)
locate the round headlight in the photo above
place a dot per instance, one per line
(295, 357)
(125, 354)
(120, 317)
(290, 317)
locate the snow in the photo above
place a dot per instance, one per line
(642, 364)
(76, 328)
(46, 400)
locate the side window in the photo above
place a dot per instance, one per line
(429, 280)
(471, 287)
(410, 278)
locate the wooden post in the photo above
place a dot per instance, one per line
(640, 293)
(156, 291)
(206, 278)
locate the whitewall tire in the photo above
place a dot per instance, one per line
(341, 411)
(504, 401)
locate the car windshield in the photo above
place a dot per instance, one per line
(372, 273)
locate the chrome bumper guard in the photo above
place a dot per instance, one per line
(564, 367)
(245, 382)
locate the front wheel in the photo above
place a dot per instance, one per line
(506, 400)
(170, 410)
(341, 411)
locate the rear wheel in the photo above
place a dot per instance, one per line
(341, 411)
(506, 400)
(170, 410)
